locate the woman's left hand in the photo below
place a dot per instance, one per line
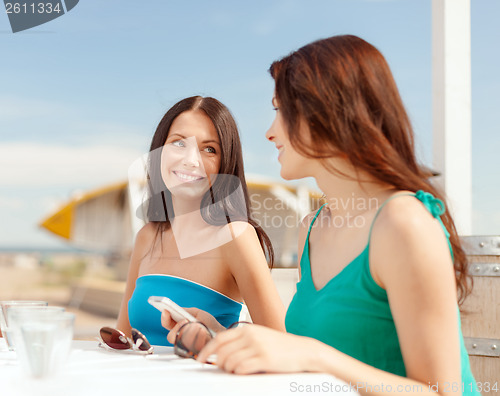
(200, 315)
(253, 348)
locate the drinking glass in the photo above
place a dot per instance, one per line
(4, 323)
(19, 314)
(45, 343)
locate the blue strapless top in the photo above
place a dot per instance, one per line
(147, 319)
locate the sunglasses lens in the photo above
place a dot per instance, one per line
(191, 338)
(114, 338)
(140, 340)
(238, 324)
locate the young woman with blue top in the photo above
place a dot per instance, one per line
(382, 269)
(200, 247)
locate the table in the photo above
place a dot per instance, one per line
(94, 371)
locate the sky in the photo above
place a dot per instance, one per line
(81, 96)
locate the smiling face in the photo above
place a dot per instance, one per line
(293, 164)
(191, 155)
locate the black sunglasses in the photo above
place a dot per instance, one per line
(116, 340)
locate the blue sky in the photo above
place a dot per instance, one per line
(80, 96)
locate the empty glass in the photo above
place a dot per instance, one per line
(17, 315)
(45, 342)
(4, 322)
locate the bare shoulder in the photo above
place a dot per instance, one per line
(407, 239)
(145, 237)
(406, 218)
(147, 230)
(244, 250)
(241, 233)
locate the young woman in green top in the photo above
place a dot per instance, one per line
(381, 263)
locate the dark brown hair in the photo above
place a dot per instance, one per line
(227, 199)
(343, 89)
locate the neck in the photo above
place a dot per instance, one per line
(352, 192)
(187, 212)
(191, 233)
(183, 206)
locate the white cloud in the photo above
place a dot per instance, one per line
(28, 165)
(110, 133)
(68, 122)
(12, 107)
(10, 203)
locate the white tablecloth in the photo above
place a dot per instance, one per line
(93, 371)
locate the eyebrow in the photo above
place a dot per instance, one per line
(204, 141)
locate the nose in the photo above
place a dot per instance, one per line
(191, 157)
(270, 133)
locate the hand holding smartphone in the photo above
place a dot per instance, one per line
(176, 312)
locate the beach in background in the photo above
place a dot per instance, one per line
(56, 277)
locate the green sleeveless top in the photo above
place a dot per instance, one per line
(352, 314)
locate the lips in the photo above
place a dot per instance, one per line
(188, 177)
(280, 149)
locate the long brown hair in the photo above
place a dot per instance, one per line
(227, 198)
(342, 87)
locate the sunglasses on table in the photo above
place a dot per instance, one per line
(192, 337)
(189, 340)
(116, 340)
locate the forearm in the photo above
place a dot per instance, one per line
(365, 378)
(272, 316)
(123, 322)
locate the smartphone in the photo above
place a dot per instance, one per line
(178, 313)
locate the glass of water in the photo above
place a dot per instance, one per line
(4, 321)
(44, 343)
